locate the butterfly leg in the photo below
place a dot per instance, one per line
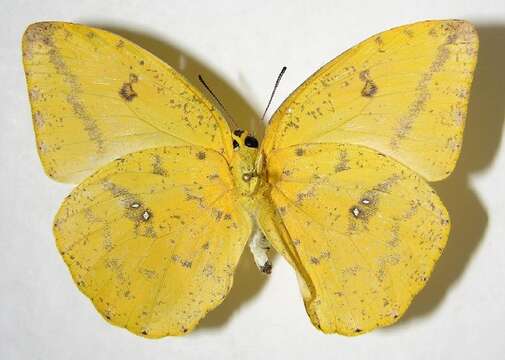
(259, 246)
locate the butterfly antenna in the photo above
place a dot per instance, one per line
(273, 91)
(217, 100)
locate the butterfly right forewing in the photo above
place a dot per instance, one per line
(403, 92)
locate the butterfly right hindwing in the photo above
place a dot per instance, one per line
(362, 230)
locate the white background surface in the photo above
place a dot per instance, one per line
(239, 49)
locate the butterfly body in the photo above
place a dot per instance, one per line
(169, 196)
(243, 165)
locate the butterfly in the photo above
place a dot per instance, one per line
(169, 195)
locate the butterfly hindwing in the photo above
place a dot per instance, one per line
(362, 230)
(153, 238)
(96, 96)
(403, 92)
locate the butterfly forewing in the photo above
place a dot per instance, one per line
(96, 96)
(403, 92)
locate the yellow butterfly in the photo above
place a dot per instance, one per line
(169, 196)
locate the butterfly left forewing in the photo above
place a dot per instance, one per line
(153, 238)
(96, 96)
(362, 230)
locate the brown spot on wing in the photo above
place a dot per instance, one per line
(409, 33)
(380, 43)
(34, 95)
(370, 88)
(38, 119)
(158, 166)
(343, 163)
(127, 92)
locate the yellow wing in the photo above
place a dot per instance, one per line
(362, 231)
(403, 92)
(96, 96)
(153, 238)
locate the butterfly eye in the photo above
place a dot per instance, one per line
(251, 142)
(235, 144)
(238, 132)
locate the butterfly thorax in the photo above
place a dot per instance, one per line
(242, 165)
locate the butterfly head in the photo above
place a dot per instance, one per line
(243, 140)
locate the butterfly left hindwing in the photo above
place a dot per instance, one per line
(154, 248)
